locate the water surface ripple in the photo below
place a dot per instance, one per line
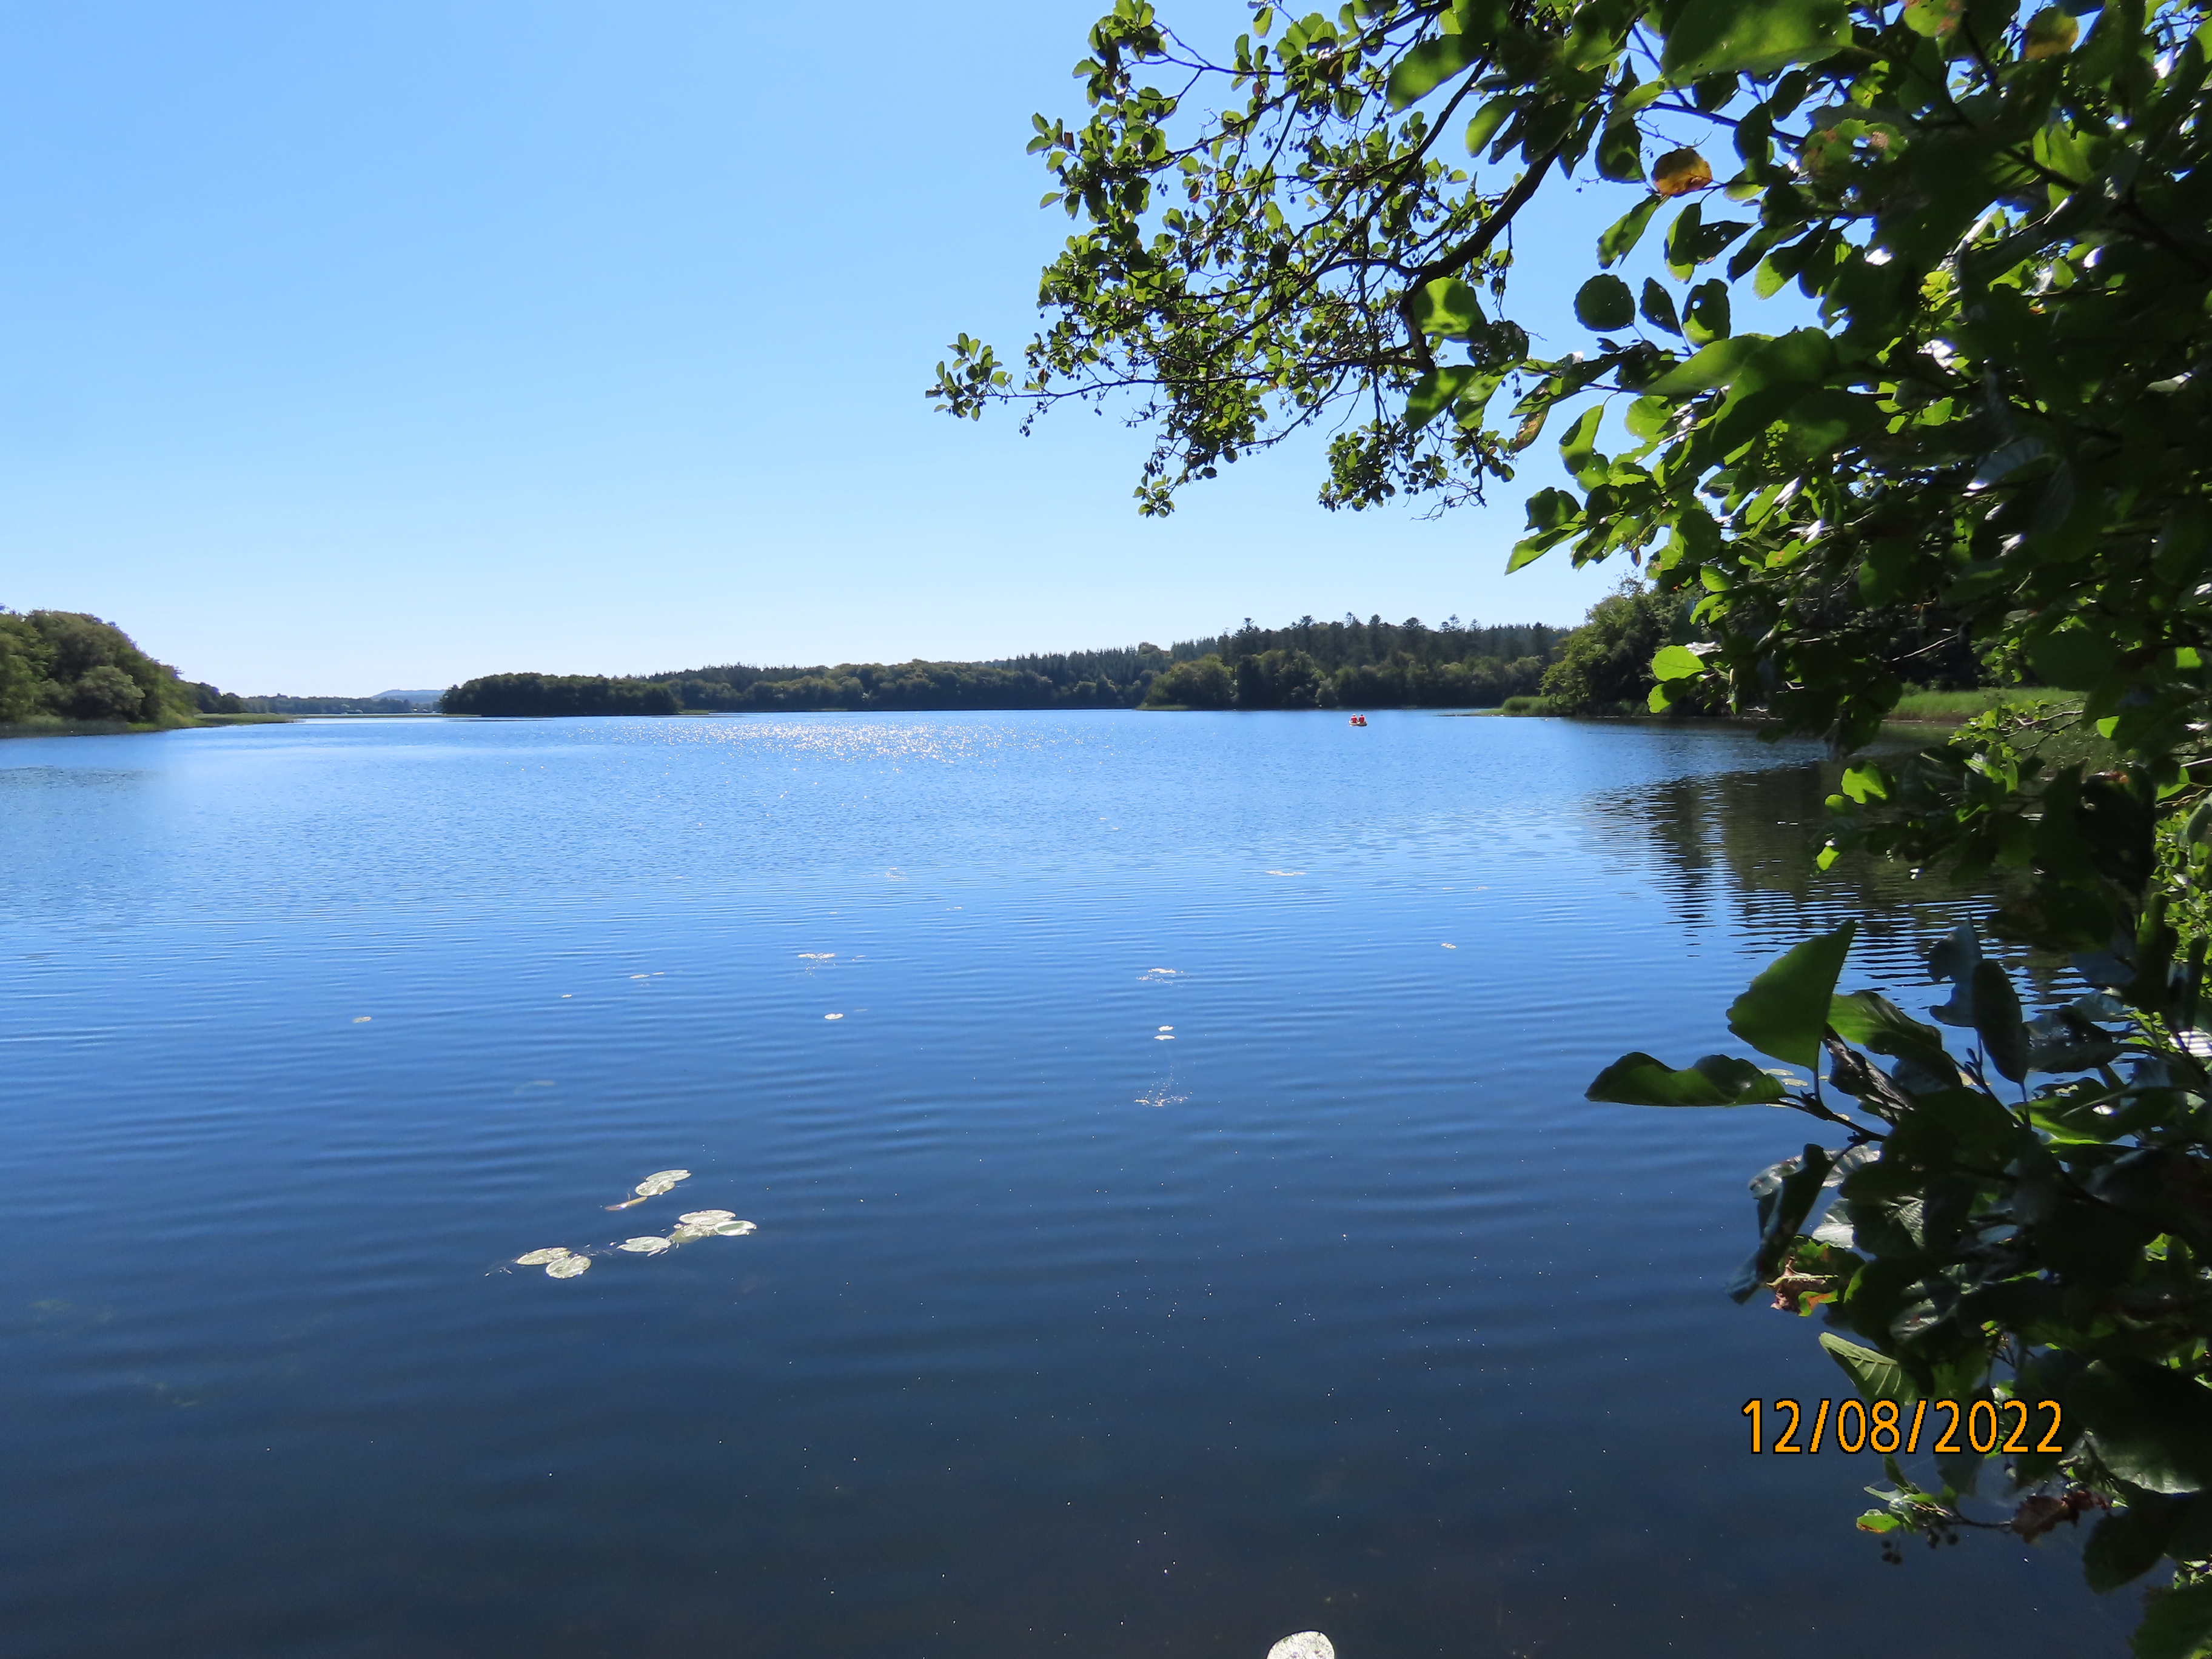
(1337, 1308)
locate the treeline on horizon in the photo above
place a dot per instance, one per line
(67, 667)
(1308, 665)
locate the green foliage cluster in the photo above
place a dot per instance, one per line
(542, 695)
(2030, 1222)
(1989, 456)
(64, 666)
(1606, 668)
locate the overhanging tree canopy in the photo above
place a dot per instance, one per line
(1997, 424)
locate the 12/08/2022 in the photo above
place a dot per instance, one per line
(1882, 1427)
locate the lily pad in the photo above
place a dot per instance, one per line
(1306, 1644)
(649, 1246)
(689, 1234)
(539, 1258)
(706, 1217)
(664, 1181)
(734, 1229)
(567, 1266)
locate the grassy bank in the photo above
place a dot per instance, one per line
(1956, 708)
(54, 725)
(1914, 708)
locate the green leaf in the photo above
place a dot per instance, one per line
(2128, 1544)
(1866, 781)
(1433, 391)
(1658, 307)
(1622, 236)
(1428, 65)
(1716, 366)
(1997, 1022)
(1647, 418)
(2178, 1626)
(2151, 1425)
(1877, 1376)
(1553, 509)
(1638, 1079)
(1873, 1021)
(1754, 37)
(1620, 153)
(1705, 317)
(1677, 662)
(1786, 1194)
(1682, 240)
(2002, 463)
(1785, 1011)
(1447, 308)
(1487, 119)
(2074, 659)
(1579, 448)
(1604, 303)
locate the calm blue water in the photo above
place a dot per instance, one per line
(1339, 1308)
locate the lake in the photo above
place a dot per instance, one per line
(1179, 1221)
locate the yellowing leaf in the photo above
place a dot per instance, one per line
(2050, 33)
(1678, 171)
(1936, 19)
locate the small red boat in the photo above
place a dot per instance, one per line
(1359, 720)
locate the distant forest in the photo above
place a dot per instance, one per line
(1349, 663)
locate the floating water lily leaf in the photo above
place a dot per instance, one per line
(1306, 1644)
(654, 1185)
(689, 1234)
(539, 1258)
(734, 1229)
(706, 1217)
(647, 1246)
(567, 1266)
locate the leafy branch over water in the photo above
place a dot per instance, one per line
(2027, 1223)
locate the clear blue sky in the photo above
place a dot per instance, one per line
(344, 348)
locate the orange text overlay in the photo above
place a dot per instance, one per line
(1887, 1426)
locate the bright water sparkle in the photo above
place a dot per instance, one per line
(1168, 1245)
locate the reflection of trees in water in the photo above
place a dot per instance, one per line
(1737, 849)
